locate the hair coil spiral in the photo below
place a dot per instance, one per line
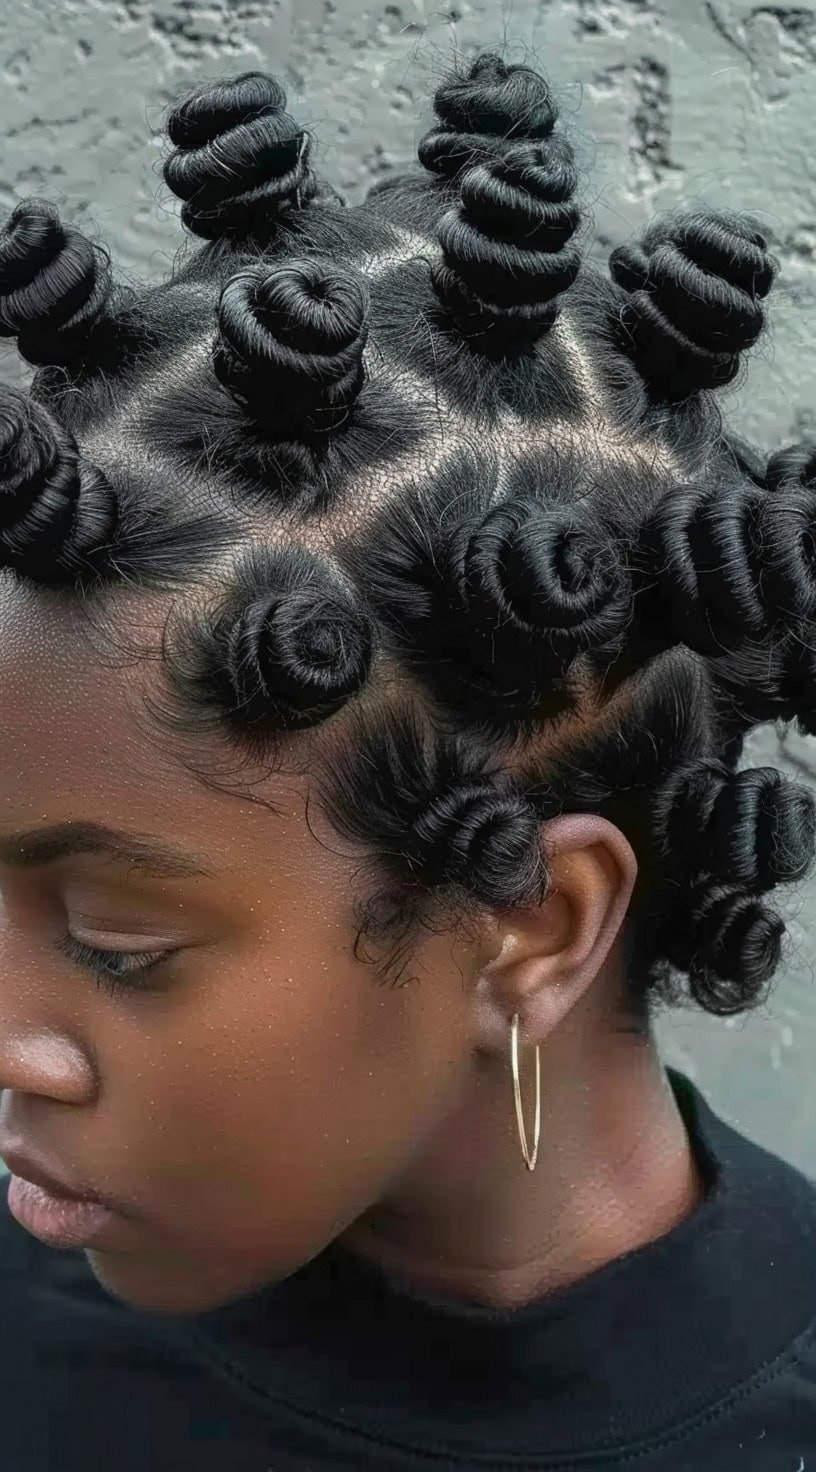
(55, 285)
(730, 946)
(290, 344)
(291, 645)
(481, 838)
(489, 279)
(752, 829)
(239, 160)
(773, 680)
(58, 514)
(794, 465)
(483, 111)
(553, 574)
(701, 570)
(694, 288)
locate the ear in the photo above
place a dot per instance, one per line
(543, 960)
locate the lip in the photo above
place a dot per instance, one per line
(30, 1169)
(58, 1221)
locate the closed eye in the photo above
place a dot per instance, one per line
(115, 970)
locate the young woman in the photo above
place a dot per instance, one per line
(383, 610)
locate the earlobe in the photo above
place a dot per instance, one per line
(546, 958)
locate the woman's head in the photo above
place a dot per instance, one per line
(390, 571)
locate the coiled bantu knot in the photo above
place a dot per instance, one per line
(752, 829)
(482, 839)
(491, 609)
(239, 160)
(507, 245)
(290, 646)
(695, 287)
(58, 514)
(720, 565)
(435, 812)
(730, 945)
(774, 680)
(290, 344)
(483, 111)
(55, 285)
(795, 465)
(552, 574)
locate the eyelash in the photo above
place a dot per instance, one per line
(99, 962)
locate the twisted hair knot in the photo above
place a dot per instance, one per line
(55, 285)
(58, 513)
(506, 245)
(239, 160)
(292, 652)
(730, 945)
(701, 569)
(491, 611)
(789, 546)
(483, 112)
(483, 839)
(553, 574)
(751, 830)
(795, 465)
(695, 289)
(290, 344)
(770, 681)
(794, 694)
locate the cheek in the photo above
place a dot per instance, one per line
(273, 1112)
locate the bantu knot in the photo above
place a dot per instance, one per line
(481, 112)
(482, 839)
(58, 514)
(290, 344)
(492, 610)
(507, 244)
(434, 812)
(789, 546)
(701, 570)
(695, 286)
(239, 160)
(553, 574)
(730, 945)
(291, 645)
(774, 680)
(55, 285)
(795, 465)
(751, 830)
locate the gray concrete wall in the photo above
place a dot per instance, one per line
(673, 100)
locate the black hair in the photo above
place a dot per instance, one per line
(448, 494)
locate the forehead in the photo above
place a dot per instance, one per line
(77, 742)
(62, 692)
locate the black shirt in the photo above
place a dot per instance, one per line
(695, 1353)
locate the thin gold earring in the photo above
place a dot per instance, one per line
(529, 1160)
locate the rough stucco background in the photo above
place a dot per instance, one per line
(670, 100)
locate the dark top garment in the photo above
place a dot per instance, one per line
(695, 1353)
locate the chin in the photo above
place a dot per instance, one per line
(172, 1286)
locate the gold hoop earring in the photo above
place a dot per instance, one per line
(529, 1160)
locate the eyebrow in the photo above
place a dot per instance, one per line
(39, 846)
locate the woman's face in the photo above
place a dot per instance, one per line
(252, 1095)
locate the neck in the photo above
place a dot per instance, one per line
(615, 1170)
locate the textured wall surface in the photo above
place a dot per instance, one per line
(671, 100)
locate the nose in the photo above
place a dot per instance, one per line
(40, 1049)
(44, 1062)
